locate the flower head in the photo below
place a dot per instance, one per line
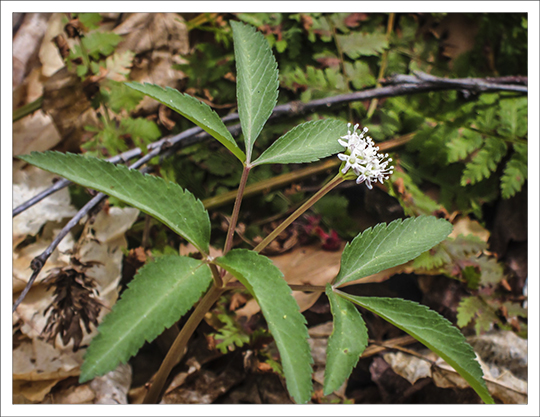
(363, 158)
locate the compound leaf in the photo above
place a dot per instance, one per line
(357, 44)
(484, 162)
(348, 340)
(166, 201)
(514, 176)
(159, 295)
(307, 142)
(257, 81)
(385, 246)
(194, 110)
(265, 282)
(432, 330)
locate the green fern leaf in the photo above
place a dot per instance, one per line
(159, 295)
(357, 44)
(121, 97)
(513, 117)
(100, 43)
(514, 176)
(467, 310)
(462, 146)
(484, 162)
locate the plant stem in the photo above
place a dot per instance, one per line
(218, 281)
(236, 210)
(294, 287)
(27, 109)
(176, 352)
(177, 349)
(384, 62)
(338, 179)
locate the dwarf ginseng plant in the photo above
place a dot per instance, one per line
(165, 289)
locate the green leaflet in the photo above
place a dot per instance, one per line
(194, 110)
(434, 331)
(166, 201)
(159, 295)
(265, 282)
(484, 162)
(515, 174)
(356, 44)
(257, 81)
(307, 142)
(385, 246)
(348, 340)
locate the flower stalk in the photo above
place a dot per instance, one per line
(334, 182)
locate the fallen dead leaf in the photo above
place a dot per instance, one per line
(144, 32)
(112, 388)
(37, 360)
(32, 391)
(65, 100)
(466, 226)
(50, 58)
(35, 132)
(497, 357)
(26, 184)
(26, 43)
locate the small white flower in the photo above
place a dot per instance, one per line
(363, 158)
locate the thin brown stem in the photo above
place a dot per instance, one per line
(176, 352)
(338, 179)
(384, 62)
(218, 281)
(236, 210)
(295, 287)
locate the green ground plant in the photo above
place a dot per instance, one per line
(167, 288)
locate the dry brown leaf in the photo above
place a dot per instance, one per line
(465, 226)
(26, 184)
(144, 32)
(74, 394)
(501, 383)
(112, 388)
(32, 391)
(37, 360)
(410, 367)
(158, 40)
(26, 43)
(50, 58)
(35, 132)
(65, 100)
(103, 246)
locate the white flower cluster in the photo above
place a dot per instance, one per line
(362, 157)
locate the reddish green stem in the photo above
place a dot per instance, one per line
(236, 210)
(334, 182)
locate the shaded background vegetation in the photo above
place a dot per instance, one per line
(461, 156)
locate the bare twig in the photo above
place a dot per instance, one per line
(39, 261)
(477, 85)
